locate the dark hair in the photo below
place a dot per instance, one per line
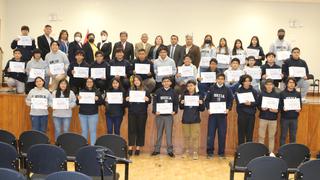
(221, 75)
(35, 80)
(36, 51)
(52, 42)
(294, 49)
(123, 32)
(140, 50)
(94, 86)
(61, 32)
(270, 54)
(191, 82)
(211, 44)
(99, 52)
(243, 79)
(166, 78)
(155, 40)
(77, 33)
(234, 50)
(104, 32)
(213, 60)
(281, 30)
(291, 79)
(258, 42)
(47, 26)
(25, 28)
(226, 46)
(251, 57)
(80, 52)
(268, 81)
(90, 34)
(134, 87)
(236, 60)
(119, 50)
(17, 50)
(174, 36)
(163, 48)
(187, 56)
(120, 84)
(65, 93)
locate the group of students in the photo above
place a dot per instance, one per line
(171, 74)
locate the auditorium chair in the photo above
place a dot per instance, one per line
(9, 157)
(8, 137)
(9, 174)
(67, 175)
(308, 170)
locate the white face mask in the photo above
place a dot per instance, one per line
(103, 38)
(77, 38)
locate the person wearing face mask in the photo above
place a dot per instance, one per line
(280, 45)
(208, 51)
(90, 48)
(75, 46)
(105, 46)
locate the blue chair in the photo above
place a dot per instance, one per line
(9, 174)
(9, 157)
(67, 175)
(71, 143)
(308, 171)
(8, 137)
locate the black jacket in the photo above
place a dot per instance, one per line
(22, 77)
(293, 63)
(125, 63)
(146, 61)
(43, 45)
(74, 80)
(285, 94)
(139, 108)
(267, 66)
(177, 55)
(90, 109)
(242, 108)
(191, 114)
(26, 51)
(115, 110)
(150, 55)
(165, 96)
(268, 115)
(106, 48)
(89, 53)
(128, 51)
(104, 64)
(73, 48)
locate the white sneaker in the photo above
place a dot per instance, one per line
(195, 156)
(272, 154)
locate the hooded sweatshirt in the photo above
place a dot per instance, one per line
(39, 93)
(34, 64)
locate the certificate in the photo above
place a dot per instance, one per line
(208, 77)
(191, 100)
(98, 73)
(217, 107)
(115, 97)
(205, 61)
(233, 75)
(56, 69)
(273, 73)
(253, 52)
(39, 103)
(270, 103)
(24, 41)
(245, 97)
(185, 71)
(255, 72)
(164, 70)
(17, 67)
(223, 59)
(164, 108)
(142, 68)
(87, 98)
(137, 96)
(283, 55)
(241, 57)
(36, 73)
(297, 71)
(60, 103)
(81, 72)
(292, 104)
(117, 70)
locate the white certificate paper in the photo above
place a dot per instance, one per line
(217, 107)
(270, 103)
(60, 103)
(208, 77)
(292, 104)
(142, 68)
(81, 72)
(98, 73)
(117, 70)
(283, 55)
(253, 52)
(233, 75)
(56, 69)
(164, 70)
(39, 103)
(185, 71)
(241, 57)
(205, 61)
(36, 73)
(255, 72)
(165, 108)
(244, 97)
(191, 100)
(273, 73)
(87, 98)
(24, 41)
(223, 59)
(18, 67)
(137, 96)
(115, 97)
(297, 71)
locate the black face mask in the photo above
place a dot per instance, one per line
(207, 41)
(280, 37)
(91, 40)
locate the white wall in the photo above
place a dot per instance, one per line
(2, 19)
(228, 18)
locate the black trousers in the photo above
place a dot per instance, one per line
(245, 127)
(76, 84)
(136, 128)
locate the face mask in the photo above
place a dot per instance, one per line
(280, 37)
(208, 41)
(103, 38)
(91, 40)
(78, 39)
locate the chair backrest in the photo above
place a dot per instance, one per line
(266, 168)
(71, 143)
(87, 162)
(248, 151)
(29, 138)
(294, 154)
(8, 137)
(8, 156)
(46, 159)
(308, 170)
(9, 174)
(115, 143)
(67, 175)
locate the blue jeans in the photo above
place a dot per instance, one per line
(39, 123)
(89, 122)
(61, 121)
(114, 123)
(217, 122)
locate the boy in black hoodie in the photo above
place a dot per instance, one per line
(100, 63)
(218, 121)
(165, 120)
(289, 118)
(270, 64)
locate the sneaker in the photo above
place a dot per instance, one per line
(171, 154)
(222, 156)
(195, 156)
(272, 154)
(130, 152)
(154, 153)
(137, 152)
(210, 156)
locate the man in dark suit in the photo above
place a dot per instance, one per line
(75, 46)
(192, 50)
(126, 46)
(45, 40)
(176, 51)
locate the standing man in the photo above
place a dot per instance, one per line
(192, 50)
(26, 49)
(142, 45)
(45, 40)
(280, 45)
(175, 50)
(126, 46)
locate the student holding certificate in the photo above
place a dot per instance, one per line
(137, 117)
(292, 68)
(207, 77)
(270, 64)
(63, 100)
(192, 104)
(99, 71)
(233, 74)
(15, 71)
(246, 109)
(39, 99)
(115, 105)
(218, 94)
(25, 43)
(181, 79)
(165, 106)
(224, 50)
(238, 52)
(280, 44)
(290, 104)
(77, 83)
(268, 106)
(207, 51)
(252, 68)
(88, 112)
(255, 44)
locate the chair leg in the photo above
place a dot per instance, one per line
(126, 172)
(231, 174)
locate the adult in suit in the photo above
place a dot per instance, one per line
(105, 46)
(45, 40)
(126, 46)
(63, 41)
(142, 45)
(26, 51)
(90, 48)
(75, 46)
(175, 50)
(154, 50)
(192, 50)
